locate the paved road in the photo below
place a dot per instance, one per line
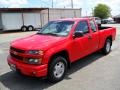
(95, 72)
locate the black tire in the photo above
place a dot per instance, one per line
(107, 47)
(24, 28)
(30, 28)
(51, 71)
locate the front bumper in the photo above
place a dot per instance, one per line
(27, 69)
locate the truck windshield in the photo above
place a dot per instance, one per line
(57, 28)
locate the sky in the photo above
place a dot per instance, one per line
(86, 5)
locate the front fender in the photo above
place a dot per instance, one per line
(50, 53)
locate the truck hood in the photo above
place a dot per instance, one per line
(37, 42)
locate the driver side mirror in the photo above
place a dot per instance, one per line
(78, 34)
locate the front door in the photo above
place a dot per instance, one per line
(82, 45)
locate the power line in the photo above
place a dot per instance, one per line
(45, 2)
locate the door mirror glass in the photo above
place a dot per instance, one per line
(78, 34)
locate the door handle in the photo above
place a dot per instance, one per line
(89, 37)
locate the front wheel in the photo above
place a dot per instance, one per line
(57, 69)
(24, 28)
(107, 47)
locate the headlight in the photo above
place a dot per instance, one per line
(33, 61)
(35, 52)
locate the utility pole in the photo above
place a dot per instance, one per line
(52, 3)
(92, 11)
(71, 3)
(86, 12)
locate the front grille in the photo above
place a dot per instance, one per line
(17, 50)
(16, 56)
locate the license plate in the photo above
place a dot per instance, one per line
(13, 67)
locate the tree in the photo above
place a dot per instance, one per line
(102, 11)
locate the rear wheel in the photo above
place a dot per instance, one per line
(24, 28)
(107, 47)
(57, 69)
(30, 28)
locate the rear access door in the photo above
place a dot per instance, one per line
(94, 36)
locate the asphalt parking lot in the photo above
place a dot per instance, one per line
(94, 72)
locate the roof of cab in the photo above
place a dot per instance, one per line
(72, 19)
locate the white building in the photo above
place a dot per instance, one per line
(30, 18)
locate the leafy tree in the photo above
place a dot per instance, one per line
(102, 11)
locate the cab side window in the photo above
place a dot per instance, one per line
(92, 25)
(82, 26)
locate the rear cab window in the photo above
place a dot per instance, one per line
(82, 26)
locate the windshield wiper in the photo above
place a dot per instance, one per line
(39, 33)
(51, 34)
(48, 34)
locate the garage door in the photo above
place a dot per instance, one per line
(0, 21)
(11, 21)
(32, 19)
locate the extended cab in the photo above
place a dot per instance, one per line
(61, 42)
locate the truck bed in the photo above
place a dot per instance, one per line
(105, 32)
(103, 28)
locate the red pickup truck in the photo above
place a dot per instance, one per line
(61, 42)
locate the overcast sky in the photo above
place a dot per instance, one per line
(86, 5)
